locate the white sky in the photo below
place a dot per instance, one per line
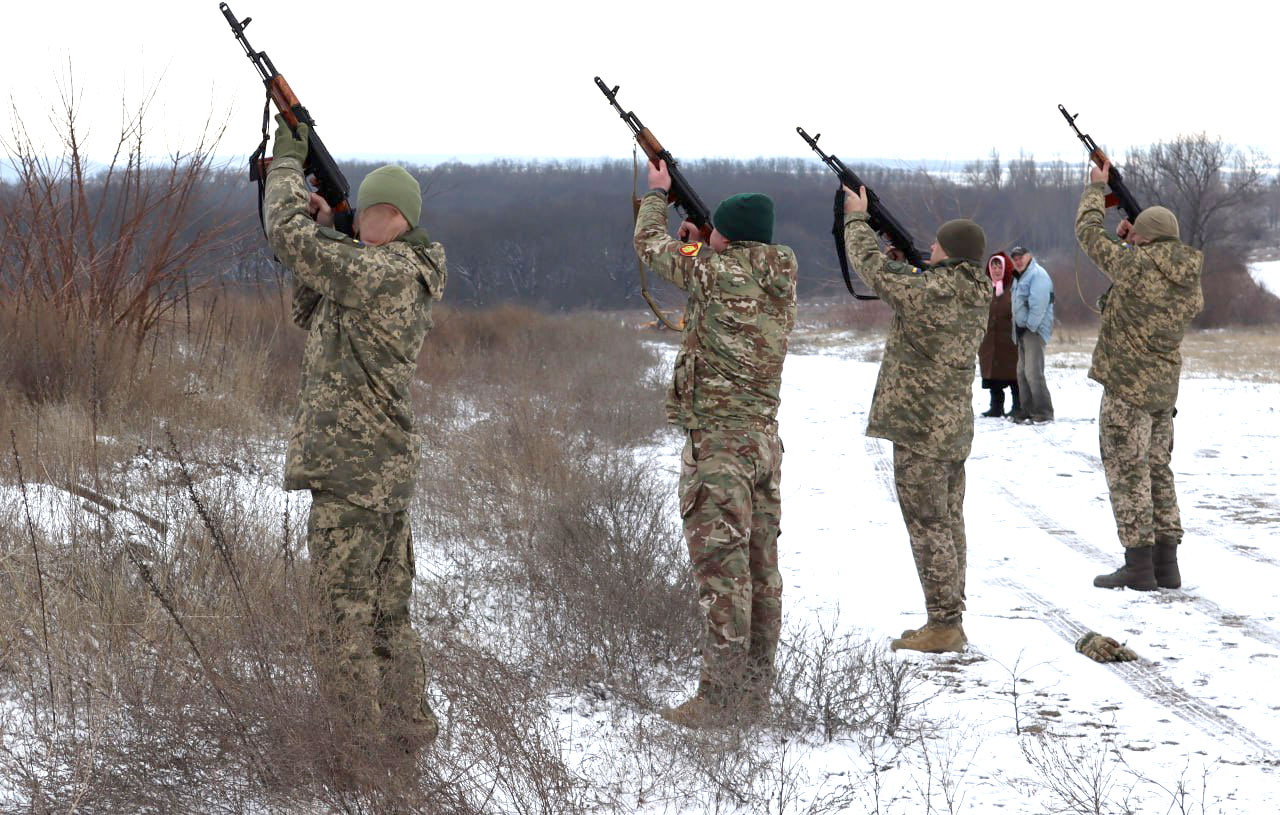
(904, 81)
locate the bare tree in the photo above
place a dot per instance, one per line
(1212, 186)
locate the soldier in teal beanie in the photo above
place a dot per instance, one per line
(747, 216)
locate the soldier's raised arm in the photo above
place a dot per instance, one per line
(892, 280)
(676, 261)
(321, 258)
(1112, 257)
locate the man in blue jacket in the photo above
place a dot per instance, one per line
(1032, 327)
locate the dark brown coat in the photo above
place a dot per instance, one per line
(998, 356)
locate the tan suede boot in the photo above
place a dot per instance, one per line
(934, 638)
(697, 713)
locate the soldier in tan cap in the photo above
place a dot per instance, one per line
(366, 306)
(923, 401)
(1155, 294)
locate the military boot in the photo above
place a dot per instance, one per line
(911, 631)
(697, 713)
(997, 404)
(1164, 563)
(1136, 573)
(934, 638)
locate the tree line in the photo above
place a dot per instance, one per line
(129, 240)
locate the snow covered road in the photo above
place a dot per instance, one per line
(1207, 690)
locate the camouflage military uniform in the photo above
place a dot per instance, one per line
(367, 310)
(725, 393)
(1154, 296)
(923, 402)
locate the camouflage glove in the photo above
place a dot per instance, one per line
(1103, 649)
(288, 145)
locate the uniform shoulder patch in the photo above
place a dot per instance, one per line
(691, 250)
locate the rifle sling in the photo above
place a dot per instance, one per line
(837, 232)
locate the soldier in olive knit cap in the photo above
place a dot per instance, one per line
(392, 184)
(963, 239)
(366, 306)
(923, 403)
(1155, 294)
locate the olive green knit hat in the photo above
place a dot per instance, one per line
(392, 184)
(1154, 223)
(747, 216)
(961, 238)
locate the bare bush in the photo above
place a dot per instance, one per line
(1081, 780)
(118, 246)
(841, 686)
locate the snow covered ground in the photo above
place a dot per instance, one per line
(1204, 696)
(1267, 273)
(1202, 706)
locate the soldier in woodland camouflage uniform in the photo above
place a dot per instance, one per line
(366, 305)
(923, 401)
(1155, 294)
(725, 394)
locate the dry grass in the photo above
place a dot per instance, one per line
(1250, 354)
(173, 672)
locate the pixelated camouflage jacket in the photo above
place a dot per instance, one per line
(367, 310)
(741, 309)
(1155, 295)
(924, 394)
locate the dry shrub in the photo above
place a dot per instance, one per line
(83, 394)
(544, 502)
(177, 674)
(1232, 296)
(845, 314)
(843, 685)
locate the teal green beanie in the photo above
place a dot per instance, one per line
(747, 216)
(392, 184)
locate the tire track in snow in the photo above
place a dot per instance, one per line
(1096, 463)
(1146, 679)
(1141, 676)
(1236, 622)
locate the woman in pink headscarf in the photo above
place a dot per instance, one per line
(998, 356)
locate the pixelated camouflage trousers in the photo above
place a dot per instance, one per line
(362, 570)
(731, 504)
(931, 497)
(1136, 448)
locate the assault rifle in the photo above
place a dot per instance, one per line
(681, 193)
(319, 165)
(880, 219)
(1119, 195)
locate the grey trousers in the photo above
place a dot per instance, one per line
(1032, 388)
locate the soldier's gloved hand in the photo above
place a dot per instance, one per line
(286, 144)
(1104, 649)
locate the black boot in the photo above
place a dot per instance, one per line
(1016, 412)
(1164, 561)
(997, 403)
(1136, 573)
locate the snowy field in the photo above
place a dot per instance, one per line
(1203, 698)
(1267, 273)
(1201, 708)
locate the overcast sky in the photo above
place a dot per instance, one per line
(903, 81)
